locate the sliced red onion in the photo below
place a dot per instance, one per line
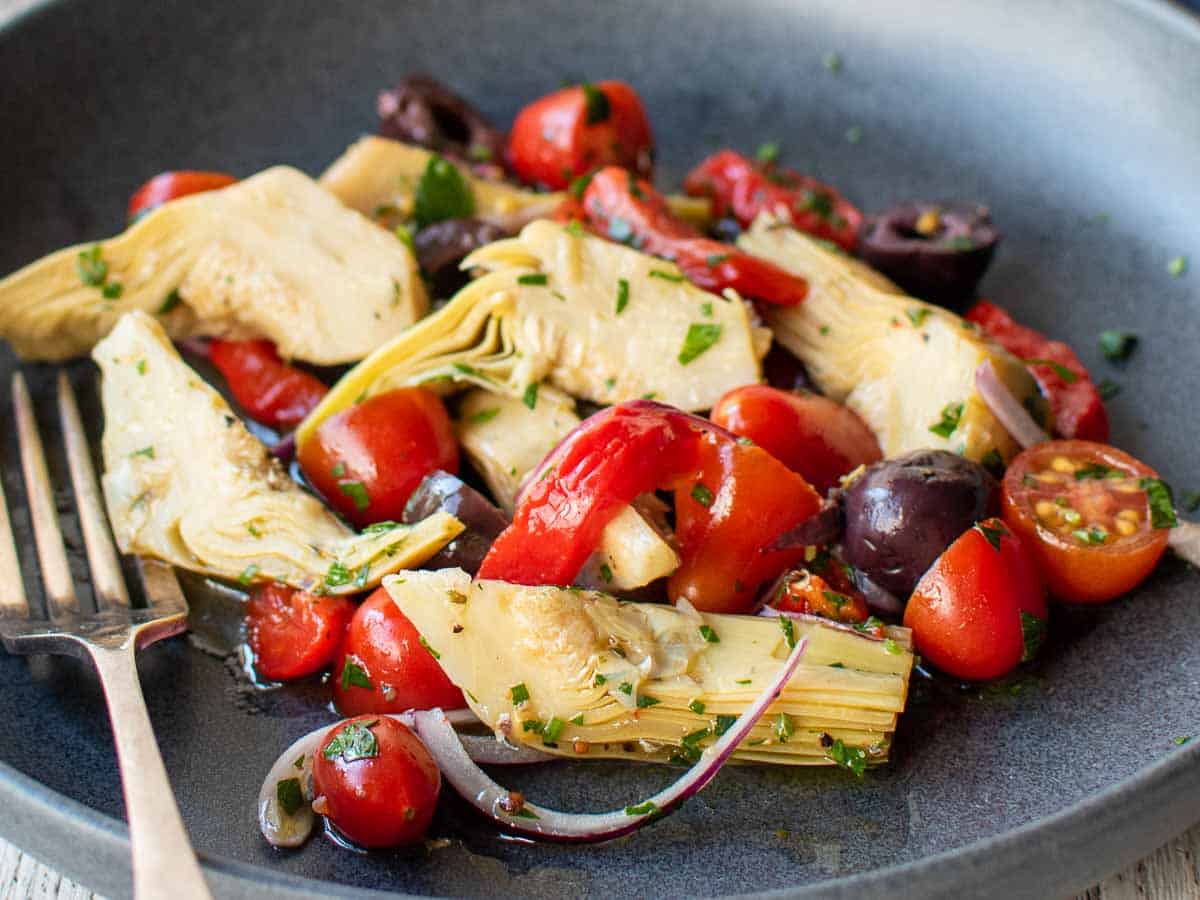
(1006, 408)
(768, 612)
(519, 817)
(284, 829)
(285, 448)
(1185, 541)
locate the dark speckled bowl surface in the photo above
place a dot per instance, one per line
(1077, 121)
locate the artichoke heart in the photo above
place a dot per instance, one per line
(907, 367)
(548, 310)
(273, 257)
(186, 483)
(379, 176)
(578, 673)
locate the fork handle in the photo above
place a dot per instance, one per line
(164, 862)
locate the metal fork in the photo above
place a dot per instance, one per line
(163, 860)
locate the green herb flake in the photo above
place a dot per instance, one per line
(596, 104)
(1093, 536)
(93, 270)
(1162, 504)
(479, 153)
(519, 693)
(424, 643)
(699, 338)
(1108, 388)
(357, 492)
(697, 707)
(993, 462)
(606, 573)
(854, 134)
(529, 398)
(1181, 740)
(599, 680)
(248, 574)
(484, 416)
(353, 742)
(534, 278)
(1178, 266)
(1190, 500)
(622, 294)
(354, 675)
(642, 809)
(744, 681)
(288, 795)
(537, 726)
(951, 416)
(441, 194)
(768, 152)
(147, 452)
(853, 759)
(723, 724)
(665, 275)
(1067, 376)
(112, 291)
(625, 688)
(917, 315)
(171, 301)
(788, 627)
(553, 730)
(380, 527)
(645, 701)
(992, 533)
(892, 647)
(824, 330)
(1117, 345)
(1097, 471)
(1033, 633)
(834, 599)
(832, 62)
(702, 495)
(254, 532)
(783, 728)
(709, 635)
(577, 719)
(404, 235)
(337, 575)
(579, 186)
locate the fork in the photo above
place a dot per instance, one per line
(163, 860)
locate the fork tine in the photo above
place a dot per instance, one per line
(56, 573)
(163, 593)
(107, 582)
(13, 602)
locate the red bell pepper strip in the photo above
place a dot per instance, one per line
(743, 188)
(268, 389)
(732, 500)
(621, 207)
(1078, 410)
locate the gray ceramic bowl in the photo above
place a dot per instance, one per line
(1076, 121)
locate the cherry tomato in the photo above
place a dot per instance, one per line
(267, 388)
(294, 633)
(383, 667)
(1095, 518)
(809, 434)
(578, 129)
(981, 607)
(822, 587)
(172, 185)
(368, 459)
(376, 782)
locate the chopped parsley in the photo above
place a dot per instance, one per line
(783, 728)
(579, 185)
(768, 152)
(744, 681)
(479, 153)
(354, 675)
(171, 301)
(147, 452)
(788, 627)
(702, 495)
(536, 278)
(337, 575)
(606, 573)
(723, 724)
(596, 104)
(404, 236)
(575, 227)
(289, 796)
(93, 270)
(529, 398)
(706, 309)
(645, 701)
(991, 533)
(665, 275)
(354, 741)
(1162, 505)
(854, 134)
(599, 680)
(697, 707)
(1060, 370)
(917, 315)
(699, 338)
(357, 492)
(1181, 740)
(853, 759)
(112, 291)
(1190, 500)
(1108, 388)
(625, 688)
(893, 648)
(622, 294)
(553, 730)
(1092, 536)
(642, 809)
(709, 635)
(951, 416)
(832, 62)
(834, 599)
(519, 693)
(1033, 632)
(248, 574)
(484, 416)
(1097, 471)
(441, 194)
(1117, 345)
(380, 527)
(1178, 266)
(424, 643)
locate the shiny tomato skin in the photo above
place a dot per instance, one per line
(383, 800)
(1075, 572)
(172, 185)
(270, 391)
(294, 633)
(368, 459)
(552, 142)
(808, 433)
(386, 647)
(966, 611)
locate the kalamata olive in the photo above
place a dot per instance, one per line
(726, 229)
(442, 246)
(421, 110)
(442, 492)
(935, 251)
(783, 370)
(902, 513)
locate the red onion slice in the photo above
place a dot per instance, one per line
(537, 822)
(1006, 408)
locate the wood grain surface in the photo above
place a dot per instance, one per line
(1170, 873)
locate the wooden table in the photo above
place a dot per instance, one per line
(1170, 873)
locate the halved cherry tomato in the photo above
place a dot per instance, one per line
(620, 207)
(1095, 518)
(822, 587)
(384, 668)
(376, 782)
(268, 389)
(1078, 410)
(981, 607)
(172, 185)
(580, 128)
(731, 502)
(809, 434)
(368, 459)
(743, 188)
(294, 633)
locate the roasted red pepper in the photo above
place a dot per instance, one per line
(743, 188)
(822, 587)
(268, 389)
(626, 209)
(1078, 410)
(732, 500)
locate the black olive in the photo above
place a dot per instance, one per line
(727, 230)
(784, 371)
(442, 492)
(902, 513)
(442, 246)
(935, 251)
(421, 110)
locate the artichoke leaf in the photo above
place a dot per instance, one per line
(547, 311)
(186, 482)
(378, 177)
(272, 256)
(905, 366)
(607, 678)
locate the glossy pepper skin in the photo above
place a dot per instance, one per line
(268, 389)
(731, 501)
(1078, 410)
(742, 188)
(619, 206)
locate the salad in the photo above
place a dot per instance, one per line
(526, 460)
